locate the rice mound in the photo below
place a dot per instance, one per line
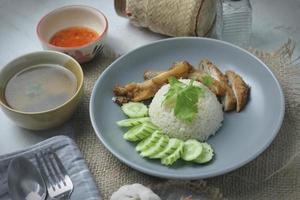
(208, 120)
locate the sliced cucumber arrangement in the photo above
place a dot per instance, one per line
(173, 157)
(156, 148)
(192, 149)
(139, 132)
(135, 110)
(206, 155)
(154, 144)
(149, 142)
(132, 121)
(172, 145)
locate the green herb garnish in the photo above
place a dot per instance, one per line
(207, 80)
(183, 98)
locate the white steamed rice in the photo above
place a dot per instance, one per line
(208, 121)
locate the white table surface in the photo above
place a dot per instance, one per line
(274, 21)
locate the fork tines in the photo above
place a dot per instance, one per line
(54, 174)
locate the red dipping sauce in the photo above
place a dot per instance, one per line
(73, 37)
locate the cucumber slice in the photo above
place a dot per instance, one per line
(151, 125)
(158, 147)
(132, 122)
(149, 141)
(138, 132)
(172, 145)
(191, 150)
(135, 109)
(206, 155)
(169, 160)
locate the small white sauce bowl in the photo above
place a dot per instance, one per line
(70, 16)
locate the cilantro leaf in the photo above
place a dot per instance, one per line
(171, 95)
(183, 99)
(207, 80)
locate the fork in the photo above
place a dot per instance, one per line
(58, 182)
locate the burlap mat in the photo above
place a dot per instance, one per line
(273, 175)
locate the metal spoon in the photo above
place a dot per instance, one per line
(25, 181)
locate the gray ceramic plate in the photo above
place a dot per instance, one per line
(243, 135)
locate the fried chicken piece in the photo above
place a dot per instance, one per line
(120, 100)
(240, 89)
(216, 87)
(142, 91)
(149, 74)
(208, 67)
(229, 100)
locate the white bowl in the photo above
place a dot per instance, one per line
(69, 16)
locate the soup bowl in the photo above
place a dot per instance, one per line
(45, 119)
(74, 16)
